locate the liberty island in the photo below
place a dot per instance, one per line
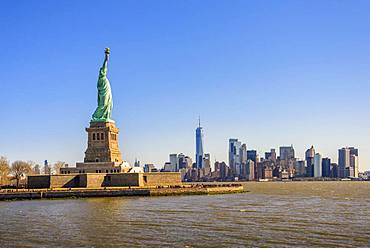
(104, 167)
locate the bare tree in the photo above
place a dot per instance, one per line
(4, 170)
(20, 169)
(57, 166)
(32, 167)
(36, 169)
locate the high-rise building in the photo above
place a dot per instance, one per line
(181, 161)
(326, 162)
(167, 167)
(174, 163)
(271, 155)
(317, 164)
(149, 168)
(184, 161)
(234, 156)
(310, 154)
(343, 161)
(287, 152)
(199, 136)
(207, 164)
(354, 164)
(252, 155)
(353, 151)
(249, 170)
(258, 158)
(223, 169)
(188, 162)
(243, 154)
(300, 168)
(334, 170)
(243, 160)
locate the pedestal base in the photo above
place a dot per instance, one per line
(102, 143)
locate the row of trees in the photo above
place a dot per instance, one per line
(18, 170)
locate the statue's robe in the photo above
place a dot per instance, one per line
(103, 112)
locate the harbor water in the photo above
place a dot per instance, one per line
(334, 214)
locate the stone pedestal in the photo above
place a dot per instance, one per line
(102, 145)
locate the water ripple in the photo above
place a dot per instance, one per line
(271, 214)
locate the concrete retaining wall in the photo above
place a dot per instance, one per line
(64, 181)
(161, 179)
(125, 179)
(96, 180)
(49, 194)
(39, 182)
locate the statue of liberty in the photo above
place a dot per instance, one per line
(103, 112)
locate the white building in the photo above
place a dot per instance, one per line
(317, 165)
(353, 165)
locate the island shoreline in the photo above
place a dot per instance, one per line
(38, 194)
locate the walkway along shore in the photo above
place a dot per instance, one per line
(115, 192)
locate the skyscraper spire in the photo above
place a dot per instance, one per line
(199, 120)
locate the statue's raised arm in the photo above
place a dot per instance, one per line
(104, 68)
(107, 52)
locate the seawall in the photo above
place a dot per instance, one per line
(119, 192)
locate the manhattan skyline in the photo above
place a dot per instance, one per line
(247, 69)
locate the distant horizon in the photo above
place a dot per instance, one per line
(269, 75)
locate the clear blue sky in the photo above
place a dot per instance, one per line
(270, 73)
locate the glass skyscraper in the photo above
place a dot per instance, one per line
(310, 154)
(287, 152)
(234, 156)
(348, 162)
(199, 146)
(326, 162)
(343, 161)
(317, 164)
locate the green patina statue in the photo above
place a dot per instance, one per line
(103, 112)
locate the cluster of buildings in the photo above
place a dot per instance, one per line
(247, 164)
